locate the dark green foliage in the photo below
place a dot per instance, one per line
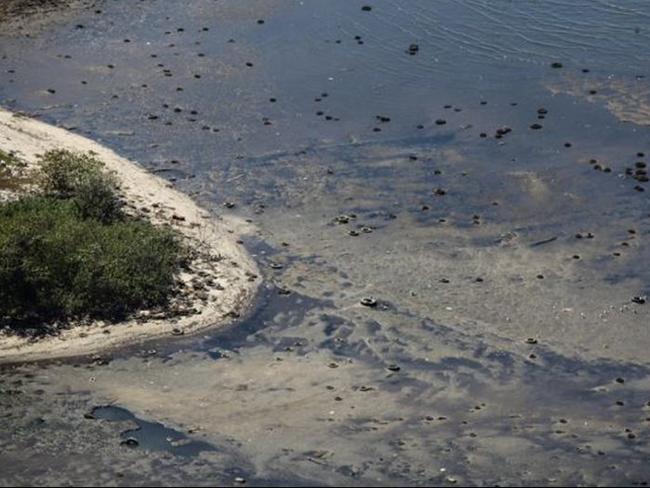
(82, 179)
(10, 172)
(60, 260)
(8, 160)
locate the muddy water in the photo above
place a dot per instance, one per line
(505, 344)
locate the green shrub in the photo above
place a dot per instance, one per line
(81, 178)
(56, 264)
(9, 160)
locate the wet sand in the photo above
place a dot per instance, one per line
(452, 246)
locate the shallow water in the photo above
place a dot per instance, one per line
(505, 347)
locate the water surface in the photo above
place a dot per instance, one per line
(388, 154)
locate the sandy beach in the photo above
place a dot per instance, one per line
(237, 277)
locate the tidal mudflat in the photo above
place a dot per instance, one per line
(448, 204)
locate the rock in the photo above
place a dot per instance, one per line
(344, 219)
(369, 302)
(130, 442)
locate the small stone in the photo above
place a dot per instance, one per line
(130, 442)
(413, 49)
(343, 219)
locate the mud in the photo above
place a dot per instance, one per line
(507, 340)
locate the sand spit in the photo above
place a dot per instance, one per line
(233, 275)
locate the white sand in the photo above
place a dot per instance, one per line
(236, 273)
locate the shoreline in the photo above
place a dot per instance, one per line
(236, 274)
(25, 17)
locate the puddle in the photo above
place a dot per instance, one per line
(152, 436)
